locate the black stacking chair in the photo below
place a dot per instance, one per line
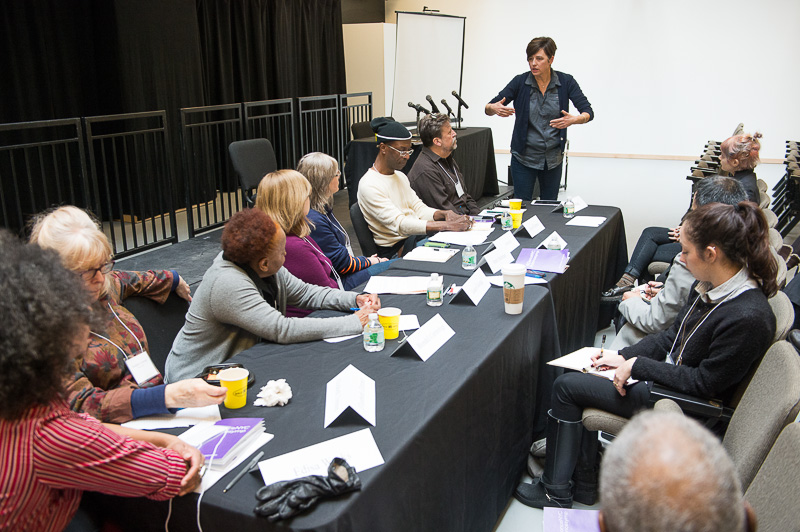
(252, 160)
(363, 232)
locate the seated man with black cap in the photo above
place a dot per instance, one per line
(435, 176)
(391, 208)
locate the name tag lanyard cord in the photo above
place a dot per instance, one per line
(339, 228)
(455, 182)
(691, 333)
(141, 349)
(320, 253)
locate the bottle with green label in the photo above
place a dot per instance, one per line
(569, 208)
(469, 257)
(435, 288)
(373, 334)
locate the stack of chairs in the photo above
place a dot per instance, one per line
(707, 164)
(786, 193)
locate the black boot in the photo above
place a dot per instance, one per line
(587, 469)
(555, 487)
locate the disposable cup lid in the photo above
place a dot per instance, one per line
(514, 269)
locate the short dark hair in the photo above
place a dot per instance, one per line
(43, 310)
(541, 43)
(430, 127)
(249, 235)
(719, 189)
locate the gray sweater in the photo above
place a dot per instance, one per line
(228, 314)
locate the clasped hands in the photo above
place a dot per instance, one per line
(650, 291)
(623, 367)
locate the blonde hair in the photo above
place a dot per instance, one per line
(282, 194)
(319, 169)
(743, 148)
(75, 236)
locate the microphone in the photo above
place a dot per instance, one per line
(462, 102)
(418, 108)
(450, 111)
(433, 105)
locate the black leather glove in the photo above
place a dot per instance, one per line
(285, 499)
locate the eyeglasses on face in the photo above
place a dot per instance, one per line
(88, 275)
(404, 153)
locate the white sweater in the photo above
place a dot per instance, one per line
(391, 207)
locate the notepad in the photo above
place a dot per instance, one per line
(545, 260)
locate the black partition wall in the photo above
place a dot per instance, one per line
(102, 57)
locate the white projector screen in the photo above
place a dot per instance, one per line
(428, 61)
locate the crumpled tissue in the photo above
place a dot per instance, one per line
(275, 393)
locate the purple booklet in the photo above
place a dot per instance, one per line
(546, 260)
(238, 429)
(570, 520)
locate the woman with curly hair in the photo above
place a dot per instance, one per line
(49, 454)
(739, 156)
(102, 383)
(243, 299)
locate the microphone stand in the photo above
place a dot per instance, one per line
(458, 118)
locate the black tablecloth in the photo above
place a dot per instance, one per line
(475, 157)
(598, 257)
(454, 431)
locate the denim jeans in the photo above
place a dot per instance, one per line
(525, 179)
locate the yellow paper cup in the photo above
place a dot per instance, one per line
(390, 319)
(235, 380)
(516, 218)
(515, 204)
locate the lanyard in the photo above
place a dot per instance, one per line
(681, 329)
(328, 262)
(339, 228)
(455, 183)
(141, 349)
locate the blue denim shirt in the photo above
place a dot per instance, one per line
(544, 141)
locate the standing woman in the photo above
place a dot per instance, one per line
(322, 172)
(739, 156)
(542, 98)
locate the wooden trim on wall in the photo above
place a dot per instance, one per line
(652, 157)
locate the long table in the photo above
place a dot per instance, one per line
(598, 257)
(454, 430)
(475, 157)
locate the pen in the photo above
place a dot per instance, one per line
(244, 470)
(354, 309)
(602, 344)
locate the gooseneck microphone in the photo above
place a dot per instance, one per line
(450, 111)
(433, 105)
(462, 102)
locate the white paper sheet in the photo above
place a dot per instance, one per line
(408, 322)
(358, 448)
(498, 258)
(487, 226)
(185, 417)
(476, 286)
(587, 221)
(211, 476)
(397, 285)
(496, 210)
(497, 280)
(461, 238)
(337, 339)
(533, 226)
(581, 360)
(562, 244)
(350, 388)
(430, 337)
(430, 254)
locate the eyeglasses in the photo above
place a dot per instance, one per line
(404, 153)
(88, 275)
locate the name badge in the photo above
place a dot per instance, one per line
(141, 367)
(459, 189)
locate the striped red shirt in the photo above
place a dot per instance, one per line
(51, 455)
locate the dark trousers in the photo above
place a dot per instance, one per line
(654, 245)
(525, 179)
(573, 391)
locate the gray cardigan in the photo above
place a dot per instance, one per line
(228, 315)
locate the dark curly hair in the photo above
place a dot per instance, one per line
(741, 232)
(249, 235)
(44, 308)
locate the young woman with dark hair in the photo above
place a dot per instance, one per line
(725, 327)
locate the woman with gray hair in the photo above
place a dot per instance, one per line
(322, 171)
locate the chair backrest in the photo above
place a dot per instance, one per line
(362, 130)
(784, 315)
(771, 401)
(363, 232)
(161, 323)
(252, 160)
(774, 492)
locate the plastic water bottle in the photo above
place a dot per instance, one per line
(505, 221)
(468, 257)
(569, 208)
(373, 334)
(435, 290)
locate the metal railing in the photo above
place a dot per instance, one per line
(130, 162)
(212, 190)
(273, 120)
(42, 164)
(355, 107)
(319, 125)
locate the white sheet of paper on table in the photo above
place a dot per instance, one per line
(476, 286)
(358, 448)
(381, 284)
(429, 254)
(497, 280)
(579, 203)
(350, 388)
(430, 337)
(533, 226)
(487, 226)
(507, 242)
(186, 417)
(497, 258)
(496, 210)
(562, 244)
(587, 221)
(461, 238)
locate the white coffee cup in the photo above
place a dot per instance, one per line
(513, 287)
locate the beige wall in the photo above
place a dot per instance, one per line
(369, 62)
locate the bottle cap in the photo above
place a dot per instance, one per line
(373, 315)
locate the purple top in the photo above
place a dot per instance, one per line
(307, 262)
